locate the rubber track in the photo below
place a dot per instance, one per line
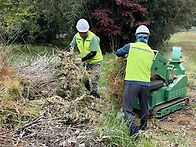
(168, 104)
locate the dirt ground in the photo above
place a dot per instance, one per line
(182, 122)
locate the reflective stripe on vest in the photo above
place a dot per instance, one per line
(84, 48)
(139, 62)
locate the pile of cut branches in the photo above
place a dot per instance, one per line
(56, 132)
(62, 113)
(115, 76)
(60, 75)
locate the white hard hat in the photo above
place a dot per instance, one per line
(82, 25)
(142, 30)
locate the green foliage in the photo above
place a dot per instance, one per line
(116, 131)
(19, 54)
(61, 43)
(192, 110)
(168, 17)
(105, 66)
(39, 21)
(179, 140)
(30, 50)
(18, 21)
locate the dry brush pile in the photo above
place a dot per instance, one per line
(115, 76)
(53, 108)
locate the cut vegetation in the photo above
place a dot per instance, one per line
(44, 103)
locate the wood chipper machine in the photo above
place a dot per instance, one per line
(168, 87)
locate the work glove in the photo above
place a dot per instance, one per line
(78, 60)
(72, 49)
(69, 48)
(125, 56)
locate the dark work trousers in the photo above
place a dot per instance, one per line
(131, 93)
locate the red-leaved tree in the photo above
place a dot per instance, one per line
(117, 19)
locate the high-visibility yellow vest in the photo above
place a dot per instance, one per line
(84, 48)
(139, 62)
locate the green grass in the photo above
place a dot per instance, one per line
(178, 140)
(192, 110)
(187, 37)
(25, 54)
(30, 50)
(117, 132)
(105, 66)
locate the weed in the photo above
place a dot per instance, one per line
(19, 54)
(192, 110)
(116, 129)
(178, 140)
(12, 111)
(105, 67)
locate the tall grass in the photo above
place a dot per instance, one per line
(116, 131)
(25, 54)
(105, 66)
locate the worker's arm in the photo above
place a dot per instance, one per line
(94, 47)
(121, 52)
(72, 44)
(88, 56)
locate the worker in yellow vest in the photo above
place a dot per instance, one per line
(89, 47)
(137, 78)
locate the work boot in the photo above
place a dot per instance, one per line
(143, 124)
(133, 130)
(95, 94)
(133, 133)
(87, 85)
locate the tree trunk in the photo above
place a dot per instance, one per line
(114, 42)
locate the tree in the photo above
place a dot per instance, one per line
(167, 17)
(115, 21)
(39, 21)
(116, 18)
